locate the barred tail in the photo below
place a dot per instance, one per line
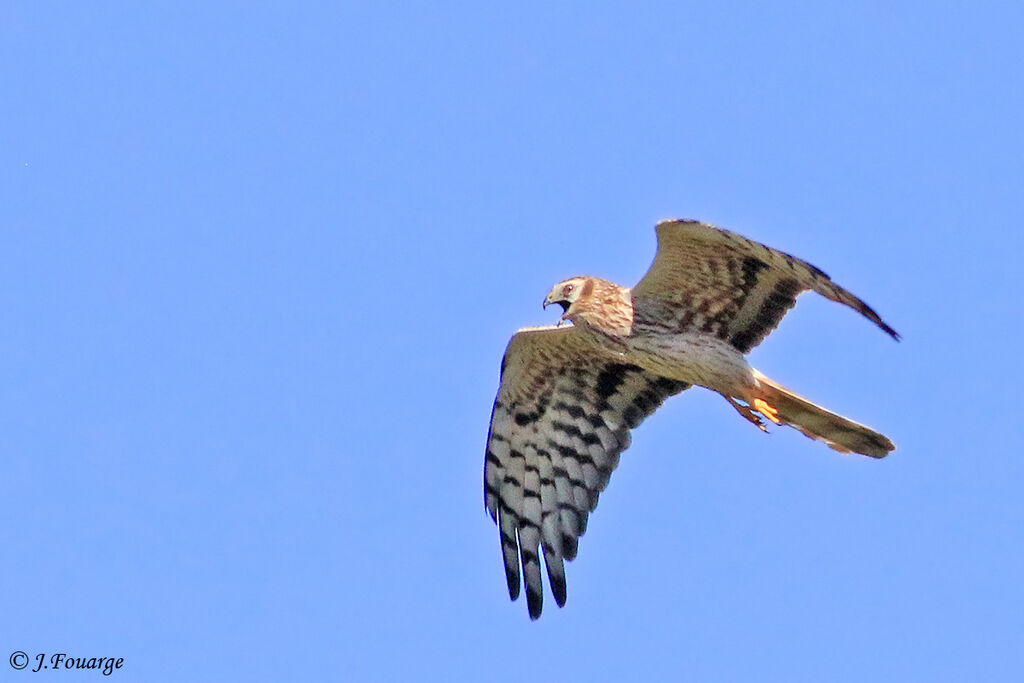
(835, 431)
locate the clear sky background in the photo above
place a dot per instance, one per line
(259, 263)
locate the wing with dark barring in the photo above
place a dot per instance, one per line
(562, 416)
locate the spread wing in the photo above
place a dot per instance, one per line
(711, 280)
(561, 418)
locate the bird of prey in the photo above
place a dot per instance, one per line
(570, 394)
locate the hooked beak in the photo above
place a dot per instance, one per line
(564, 304)
(548, 300)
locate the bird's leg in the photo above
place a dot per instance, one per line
(746, 412)
(766, 409)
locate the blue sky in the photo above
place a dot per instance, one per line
(260, 261)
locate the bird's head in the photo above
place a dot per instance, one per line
(567, 293)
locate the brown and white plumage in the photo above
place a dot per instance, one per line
(721, 283)
(561, 418)
(569, 395)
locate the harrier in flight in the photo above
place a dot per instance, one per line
(570, 394)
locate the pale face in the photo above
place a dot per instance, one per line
(565, 293)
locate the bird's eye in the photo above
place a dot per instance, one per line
(567, 289)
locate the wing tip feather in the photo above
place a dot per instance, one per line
(556, 574)
(534, 602)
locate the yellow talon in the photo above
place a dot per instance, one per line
(766, 409)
